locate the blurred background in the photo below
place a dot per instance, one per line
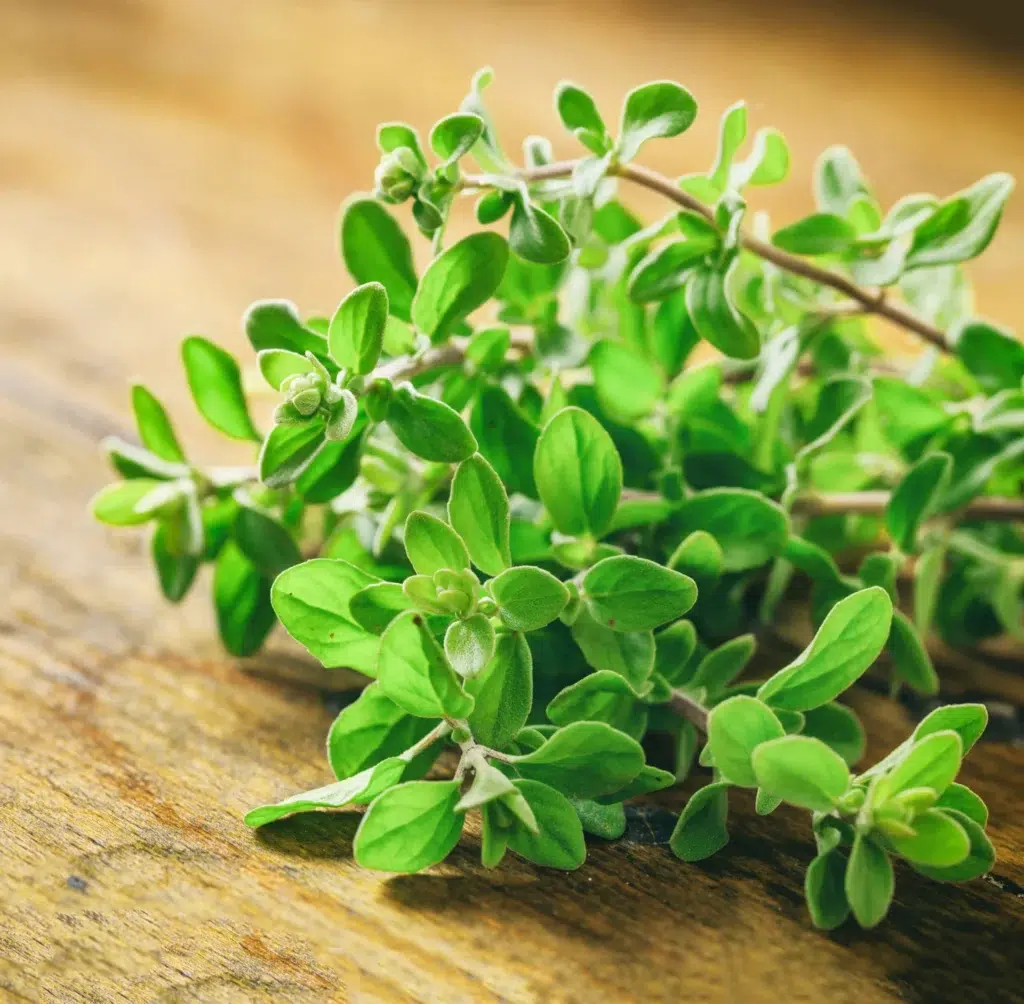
(165, 162)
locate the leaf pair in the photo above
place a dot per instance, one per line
(657, 110)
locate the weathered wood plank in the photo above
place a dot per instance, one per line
(163, 164)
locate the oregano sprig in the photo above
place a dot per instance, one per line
(504, 489)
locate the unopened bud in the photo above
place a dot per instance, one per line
(397, 175)
(306, 401)
(287, 414)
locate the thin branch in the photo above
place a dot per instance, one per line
(449, 354)
(874, 503)
(872, 301)
(693, 711)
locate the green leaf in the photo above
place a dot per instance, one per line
(356, 335)
(265, 542)
(823, 889)
(503, 692)
(927, 583)
(216, 384)
(374, 607)
(559, 840)
(672, 336)
(849, 640)
(432, 544)
(455, 135)
(962, 227)
(716, 317)
(634, 594)
(275, 324)
(288, 452)
(469, 644)
(968, 721)
(410, 827)
(176, 571)
(979, 859)
(749, 528)
(965, 801)
(371, 729)
(487, 349)
(667, 267)
(489, 785)
(698, 555)
(906, 413)
(133, 462)
(675, 646)
(820, 233)
(723, 664)
(628, 653)
(939, 840)
(277, 365)
(528, 598)
(932, 762)
(478, 510)
(993, 355)
(700, 831)
(154, 424)
(415, 673)
(578, 473)
(628, 385)
(333, 468)
(356, 790)
(605, 821)
(585, 759)
(869, 881)
(123, 503)
(312, 601)
(839, 400)
(494, 834)
(657, 110)
(428, 428)
(375, 249)
(493, 205)
(910, 659)
(838, 181)
(241, 599)
(577, 110)
(915, 498)
(458, 281)
(506, 437)
(603, 696)
(392, 135)
(732, 131)
(838, 727)
(535, 235)
(735, 728)
(649, 779)
(694, 392)
(802, 771)
(767, 164)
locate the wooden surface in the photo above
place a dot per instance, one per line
(163, 164)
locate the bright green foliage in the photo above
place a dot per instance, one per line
(514, 472)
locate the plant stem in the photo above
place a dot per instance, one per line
(870, 301)
(873, 503)
(448, 354)
(438, 732)
(693, 711)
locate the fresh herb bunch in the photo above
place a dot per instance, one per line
(511, 518)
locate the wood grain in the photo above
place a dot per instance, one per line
(162, 165)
